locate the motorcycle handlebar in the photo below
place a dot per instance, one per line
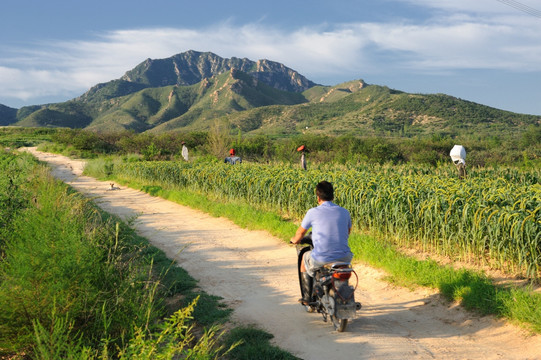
(307, 239)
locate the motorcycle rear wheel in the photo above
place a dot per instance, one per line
(339, 324)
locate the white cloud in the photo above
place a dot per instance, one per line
(477, 6)
(456, 41)
(26, 84)
(467, 45)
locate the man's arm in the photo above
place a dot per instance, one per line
(298, 235)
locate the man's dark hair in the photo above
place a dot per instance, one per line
(325, 191)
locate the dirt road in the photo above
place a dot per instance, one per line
(256, 275)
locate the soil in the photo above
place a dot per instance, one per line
(255, 274)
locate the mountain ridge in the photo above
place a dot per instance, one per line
(191, 90)
(192, 67)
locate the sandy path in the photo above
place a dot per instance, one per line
(255, 273)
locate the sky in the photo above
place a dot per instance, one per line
(485, 51)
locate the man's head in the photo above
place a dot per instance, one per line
(325, 191)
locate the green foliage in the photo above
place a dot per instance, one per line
(454, 110)
(87, 144)
(252, 343)
(113, 89)
(151, 152)
(63, 262)
(58, 341)
(323, 149)
(15, 137)
(218, 139)
(14, 197)
(84, 272)
(532, 136)
(472, 289)
(492, 216)
(176, 338)
(75, 283)
(85, 141)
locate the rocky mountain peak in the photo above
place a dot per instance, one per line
(191, 67)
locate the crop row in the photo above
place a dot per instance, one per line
(493, 216)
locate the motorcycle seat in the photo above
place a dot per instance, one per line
(338, 265)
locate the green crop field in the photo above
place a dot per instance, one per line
(493, 217)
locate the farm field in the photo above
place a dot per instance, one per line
(492, 218)
(414, 208)
(394, 322)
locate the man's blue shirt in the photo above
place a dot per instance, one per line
(330, 225)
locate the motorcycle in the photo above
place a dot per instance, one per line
(330, 292)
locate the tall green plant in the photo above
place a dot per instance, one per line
(492, 216)
(62, 254)
(218, 139)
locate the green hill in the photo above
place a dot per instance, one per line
(192, 107)
(71, 114)
(8, 115)
(375, 110)
(190, 91)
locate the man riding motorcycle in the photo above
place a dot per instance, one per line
(331, 226)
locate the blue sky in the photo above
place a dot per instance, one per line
(486, 51)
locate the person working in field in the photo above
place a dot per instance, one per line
(184, 151)
(331, 226)
(233, 158)
(302, 149)
(458, 155)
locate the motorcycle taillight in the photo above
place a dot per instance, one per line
(341, 275)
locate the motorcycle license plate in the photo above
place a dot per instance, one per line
(346, 311)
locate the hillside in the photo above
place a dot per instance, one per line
(189, 91)
(195, 106)
(371, 110)
(8, 115)
(68, 114)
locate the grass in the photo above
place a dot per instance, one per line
(15, 137)
(472, 289)
(254, 345)
(78, 283)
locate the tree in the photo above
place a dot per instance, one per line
(218, 138)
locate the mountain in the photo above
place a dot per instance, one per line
(196, 106)
(8, 115)
(191, 90)
(359, 109)
(71, 114)
(192, 67)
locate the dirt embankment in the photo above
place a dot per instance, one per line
(256, 275)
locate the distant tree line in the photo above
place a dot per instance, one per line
(346, 149)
